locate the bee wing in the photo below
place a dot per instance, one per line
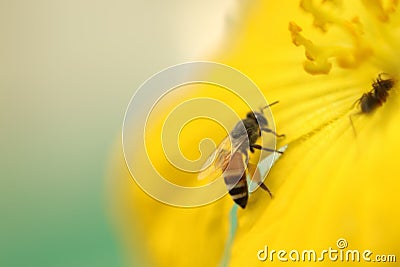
(217, 162)
(257, 173)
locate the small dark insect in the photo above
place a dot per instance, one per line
(377, 96)
(370, 101)
(227, 159)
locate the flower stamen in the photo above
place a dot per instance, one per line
(378, 10)
(317, 59)
(347, 55)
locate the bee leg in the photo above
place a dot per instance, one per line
(357, 102)
(264, 148)
(352, 124)
(263, 186)
(247, 156)
(267, 130)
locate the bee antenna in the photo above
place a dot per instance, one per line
(273, 103)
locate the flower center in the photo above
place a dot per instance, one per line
(354, 45)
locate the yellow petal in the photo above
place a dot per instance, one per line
(156, 234)
(330, 183)
(334, 181)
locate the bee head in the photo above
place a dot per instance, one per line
(385, 83)
(259, 118)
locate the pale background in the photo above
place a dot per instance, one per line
(67, 72)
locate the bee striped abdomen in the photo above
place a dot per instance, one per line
(235, 180)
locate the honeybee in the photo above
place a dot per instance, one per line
(231, 159)
(377, 96)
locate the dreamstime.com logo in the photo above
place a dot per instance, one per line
(342, 254)
(168, 124)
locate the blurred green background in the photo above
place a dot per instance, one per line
(68, 70)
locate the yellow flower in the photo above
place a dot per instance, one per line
(336, 179)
